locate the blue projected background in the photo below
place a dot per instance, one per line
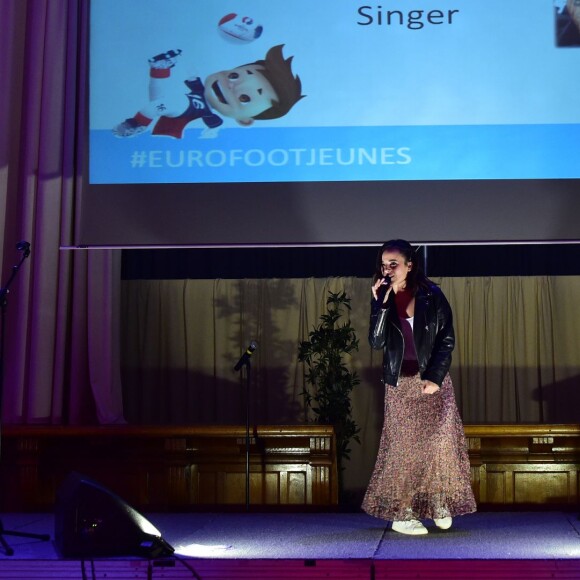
(400, 90)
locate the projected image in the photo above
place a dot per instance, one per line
(199, 91)
(265, 89)
(567, 22)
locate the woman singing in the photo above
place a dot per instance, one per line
(422, 467)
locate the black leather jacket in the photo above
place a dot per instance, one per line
(432, 331)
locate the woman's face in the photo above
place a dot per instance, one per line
(394, 265)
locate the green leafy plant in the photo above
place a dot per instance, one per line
(331, 383)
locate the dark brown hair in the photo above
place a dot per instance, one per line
(416, 277)
(278, 72)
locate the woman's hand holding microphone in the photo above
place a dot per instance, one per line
(381, 289)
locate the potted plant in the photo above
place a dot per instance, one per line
(330, 381)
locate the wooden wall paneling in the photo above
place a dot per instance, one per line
(180, 468)
(172, 467)
(525, 465)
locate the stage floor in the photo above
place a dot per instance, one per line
(317, 545)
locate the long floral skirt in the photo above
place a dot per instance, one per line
(422, 467)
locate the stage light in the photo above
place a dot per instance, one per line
(91, 520)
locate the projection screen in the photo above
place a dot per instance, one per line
(321, 122)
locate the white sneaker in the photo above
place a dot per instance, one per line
(444, 523)
(409, 527)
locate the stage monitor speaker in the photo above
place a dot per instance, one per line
(91, 520)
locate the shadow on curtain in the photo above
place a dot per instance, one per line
(515, 359)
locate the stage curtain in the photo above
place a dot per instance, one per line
(517, 348)
(515, 361)
(61, 336)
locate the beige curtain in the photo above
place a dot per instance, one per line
(516, 358)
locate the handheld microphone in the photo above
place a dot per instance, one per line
(245, 358)
(383, 289)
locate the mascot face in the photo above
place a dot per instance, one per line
(240, 93)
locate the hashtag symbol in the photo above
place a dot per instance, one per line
(138, 159)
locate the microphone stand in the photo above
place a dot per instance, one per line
(248, 373)
(25, 248)
(245, 362)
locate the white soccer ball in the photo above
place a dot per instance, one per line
(240, 28)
